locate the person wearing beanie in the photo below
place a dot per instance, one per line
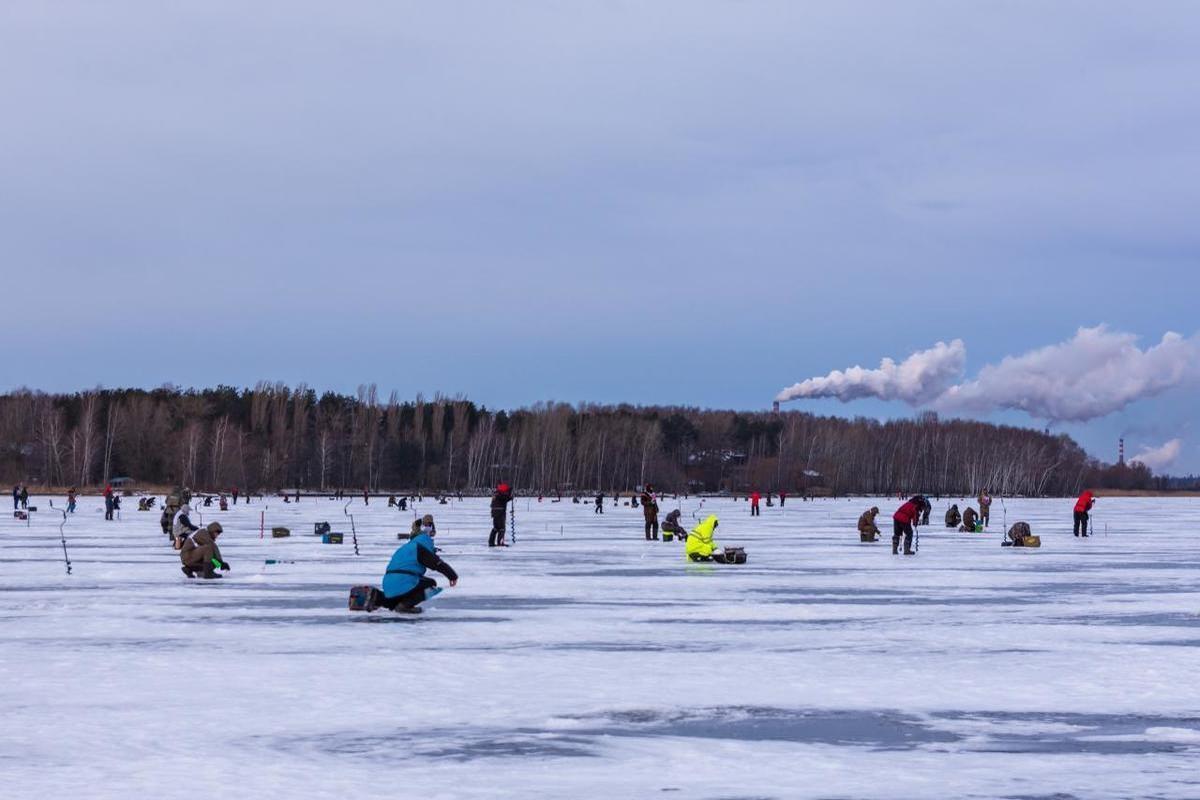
(200, 554)
(500, 501)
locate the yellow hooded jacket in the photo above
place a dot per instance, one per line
(700, 540)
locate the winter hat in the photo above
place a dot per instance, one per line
(504, 487)
(214, 528)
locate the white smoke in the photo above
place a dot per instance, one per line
(1093, 374)
(917, 380)
(1159, 458)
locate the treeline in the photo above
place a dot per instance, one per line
(272, 437)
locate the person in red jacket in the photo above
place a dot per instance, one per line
(754, 498)
(1082, 506)
(902, 524)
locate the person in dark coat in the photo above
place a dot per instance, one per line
(500, 500)
(599, 504)
(650, 512)
(902, 525)
(953, 516)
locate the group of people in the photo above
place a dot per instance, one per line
(20, 495)
(915, 512)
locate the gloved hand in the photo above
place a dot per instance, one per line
(224, 566)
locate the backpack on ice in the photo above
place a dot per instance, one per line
(365, 598)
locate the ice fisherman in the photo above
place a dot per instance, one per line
(500, 500)
(700, 544)
(404, 584)
(953, 516)
(985, 508)
(200, 555)
(1082, 506)
(671, 527)
(902, 525)
(650, 512)
(970, 517)
(868, 531)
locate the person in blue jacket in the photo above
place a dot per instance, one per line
(404, 584)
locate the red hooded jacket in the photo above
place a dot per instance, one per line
(907, 513)
(754, 498)
(1085, 502)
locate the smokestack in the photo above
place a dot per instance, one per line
(1121, 450)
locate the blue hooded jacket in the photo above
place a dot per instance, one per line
(405, 569)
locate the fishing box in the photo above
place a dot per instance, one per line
(280, 533)
(321, 528)
(31, 509)
(331, 538)
(667, 536)
(364, 598)
(732, 555)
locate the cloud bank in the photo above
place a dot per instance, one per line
(1095, 373)
(1159, 458)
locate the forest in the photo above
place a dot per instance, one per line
(274, 437)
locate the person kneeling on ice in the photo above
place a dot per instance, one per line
(200, 554)
(868, 531)
(1021, 535)
(953, 516)
(700, 544)
(404, 584)
(969, 519)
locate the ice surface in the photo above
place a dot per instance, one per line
(585, 662)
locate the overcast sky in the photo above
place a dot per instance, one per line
(669, 202)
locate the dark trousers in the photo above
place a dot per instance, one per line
(497, 536)
(1081, 522)
(599, 508)
(754, 510)
(410, 598)
(652, 528)
(898, 529)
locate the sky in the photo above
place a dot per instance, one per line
(696, 203)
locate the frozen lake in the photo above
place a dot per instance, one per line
(585, 662)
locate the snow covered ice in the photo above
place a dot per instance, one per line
(585, 662)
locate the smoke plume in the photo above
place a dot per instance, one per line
(1159, 458)
(1096, 372)
(917, 380)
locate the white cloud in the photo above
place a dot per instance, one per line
(917, 380)
(1159, 458)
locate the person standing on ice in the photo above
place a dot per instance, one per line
(782, 498)
(650, 512)
(108, 506)
(500, 501)
(985, 508)
(1082, 506)
(234, 493)
(902, 525)
(16, 496)
(71, 500)
(754, 498)
(404, 584)
(599, 504)
(200, 555)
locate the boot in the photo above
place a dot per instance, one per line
(895, 546)
(188, 571)
(909, 553)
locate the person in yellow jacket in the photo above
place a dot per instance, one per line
(700, 544)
